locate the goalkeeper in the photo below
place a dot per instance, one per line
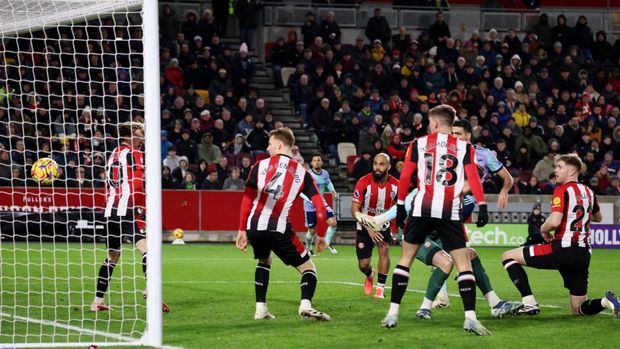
(124, 209)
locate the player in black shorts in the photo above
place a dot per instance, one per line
(272, 186)
(568, 251)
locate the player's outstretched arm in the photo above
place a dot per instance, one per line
(502, 201)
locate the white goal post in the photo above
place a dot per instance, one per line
(47, 277)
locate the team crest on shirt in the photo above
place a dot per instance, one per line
(356, 194)
(360, 245)
(392, 195)
(556, 201)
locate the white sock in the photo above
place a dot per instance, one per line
(426, 303)
(261, 307)
(529, 300)
(443, 291)
(492, 298)
(394, 308)
(98, 300)
(607, 304)
(305, 304)
(470, 314)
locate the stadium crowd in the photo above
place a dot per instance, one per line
(554, 90)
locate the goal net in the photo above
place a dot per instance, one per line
(71, 72)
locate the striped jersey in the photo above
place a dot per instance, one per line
(577, 203)
(124, 181)
(440, 159)
(278, 181)
(323, 182)
(373, 197)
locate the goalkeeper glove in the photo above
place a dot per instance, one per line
(483, 216)
(401, 215)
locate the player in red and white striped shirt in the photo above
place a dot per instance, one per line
(125, 205)
(272, 186)
(374, 194)
(443, 162)
(573, 207)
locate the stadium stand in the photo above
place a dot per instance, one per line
(551, 89)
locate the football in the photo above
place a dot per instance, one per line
(45, 170)
(178, 233)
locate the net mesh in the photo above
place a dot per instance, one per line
(70, 74)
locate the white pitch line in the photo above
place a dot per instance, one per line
(123, 340)
(70, 327)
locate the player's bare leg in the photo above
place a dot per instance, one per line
(581, 305)
(384, 268)
(467, 289)
(261, 283)
(308, 286)
(332, 227)
(513, 262)
(105, 273)
(366, 269)
(443, 264)
(141, 246)
(400, 279)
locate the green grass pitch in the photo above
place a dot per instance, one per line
(210, 290)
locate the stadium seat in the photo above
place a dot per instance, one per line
(268, 47)
(351, 159)
(204, 94)
(211, 167)
(286, 73)
(345, 149)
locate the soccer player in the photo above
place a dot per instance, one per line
(271, 187)
(431, 252)
(374, 194)
(442, 162)
(124, 207)
(324, 183)
(567, 250)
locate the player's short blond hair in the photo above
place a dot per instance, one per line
(126, 129)
(570, 159)
(444, 113)
(284, 135)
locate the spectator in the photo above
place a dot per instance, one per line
(211, 182)
(172, 160)
(189, 182)
(602, 51)
(521, 116)
(207, 26)
(582, 35)
(378, 28)
(248, 12)
(330, 30)
(562, 32)
(258, 139)
(222, 169)
(439, 31)
(614, 187)
(545, 167)
(309, 29)
(165, 144)
(395, 148)
(167, 181)
(168, 24)
(178, 174)
(186, 146)
(189, 27)
(220, 84)
(207, 151)
(281, 56)
(362, 166)
(532, 186)
(401, 41)
(234, 182)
